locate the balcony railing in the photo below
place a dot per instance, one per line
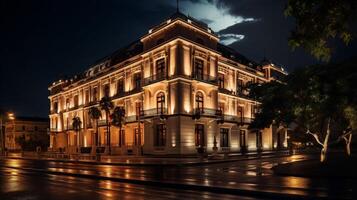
(154, 78)
(205, 78)
(123, 94)
(146, 113)
(238, 93)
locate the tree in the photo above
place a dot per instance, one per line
(319, 99)
(319, 21)
(95, 114)
(77, 125)
(118, 119)
(106, 104)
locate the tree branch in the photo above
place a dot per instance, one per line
(315, 136)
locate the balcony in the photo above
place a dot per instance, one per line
(205, 78)
(239, 120)
(154, 79)
(238, 93)
(147, 114)
(123, 94)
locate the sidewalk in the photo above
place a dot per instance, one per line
(158, 160)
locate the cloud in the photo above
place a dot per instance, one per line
(230, 38)
(217, 16)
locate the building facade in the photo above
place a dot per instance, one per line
(181, 91)
(29, 127)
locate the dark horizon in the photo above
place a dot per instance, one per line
(43, 41)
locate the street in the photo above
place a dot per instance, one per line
(36, 179)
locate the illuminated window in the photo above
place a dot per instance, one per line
(199, 135)
(224, 137)
(220, 80)
(240, 86)
(240, 113)
(198, 70)
(259, 140)
(160, 66)
(67, 103)
(242, 141)
(137, 80)
(95, 94)
(76, 101)
(87, 96)
(160, 103)
(160, 136)
(199, 101)
(120, 86)
(106, 90)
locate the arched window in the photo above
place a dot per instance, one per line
(160, 103)
(199, 101)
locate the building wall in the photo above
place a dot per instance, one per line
(180, 87)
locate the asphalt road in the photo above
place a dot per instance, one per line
(22, 177)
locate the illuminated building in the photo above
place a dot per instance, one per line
(24, 126)
(186, 88)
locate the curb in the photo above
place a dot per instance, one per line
(223, 190)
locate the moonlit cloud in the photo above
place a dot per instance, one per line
(217, 17)
(230, 38)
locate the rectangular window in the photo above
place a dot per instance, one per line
(160, 136)
(199, 69)
(199, 135)
(160, 67)
(240, 113)
(242, 141)
(106, 90)
(221, 81)
(87, 96)
(259, 140)
(95, 94)
(137, 81)
(224, 136)
(76, 103)
(240, 86)
(120, 86)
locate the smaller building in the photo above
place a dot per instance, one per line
(30, 128)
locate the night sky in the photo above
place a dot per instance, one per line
(43, 40)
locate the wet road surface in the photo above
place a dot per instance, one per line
(254, 175)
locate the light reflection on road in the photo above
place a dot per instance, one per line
(247, 174)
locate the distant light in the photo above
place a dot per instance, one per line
(150, 31)
(168, 21)
(189, 21)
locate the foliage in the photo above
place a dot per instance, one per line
(118, 116)
(315, 99)
(76, 123)
(32, 141)
(94, 113)
(106, 104)
(319, 21)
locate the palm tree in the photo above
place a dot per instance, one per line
(76, 124)
(118, 120)
(106, 104)
(95, 114)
